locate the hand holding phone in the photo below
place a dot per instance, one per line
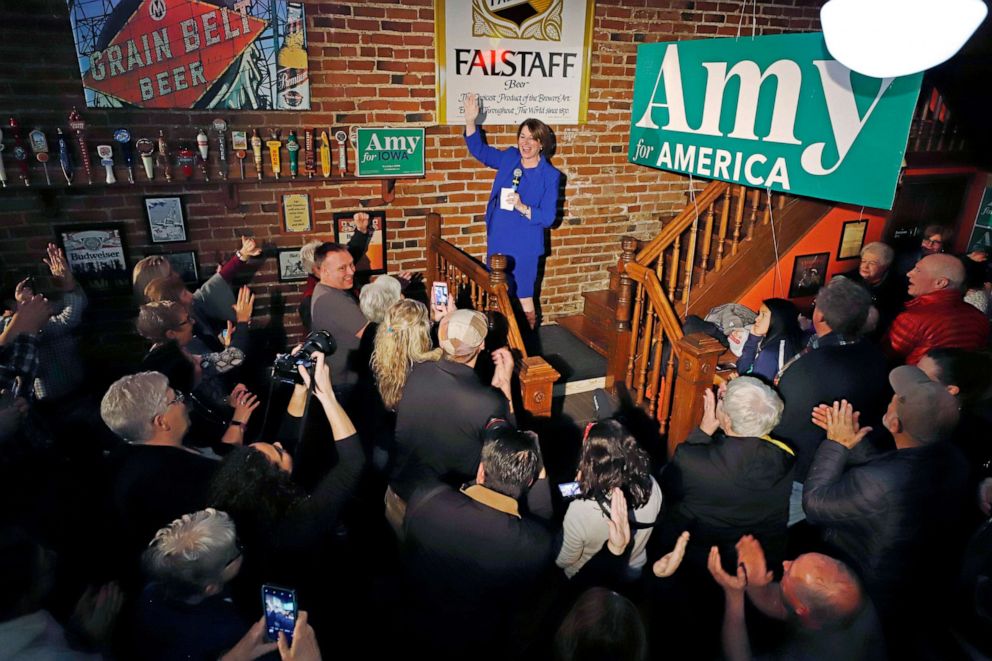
(279, 606)
(439, 294)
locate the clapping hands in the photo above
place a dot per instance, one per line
(840, 421)
(668, 563)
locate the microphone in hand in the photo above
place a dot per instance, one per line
(517, 173)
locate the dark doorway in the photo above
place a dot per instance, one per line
(925, 200)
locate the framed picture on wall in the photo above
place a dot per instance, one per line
(97, 257)
(370, 243)
(808, 274)
(852, 239)
(166, 219)
(184, 263)
(291, 266)
(296, 212)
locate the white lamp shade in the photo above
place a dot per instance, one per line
(888, 38)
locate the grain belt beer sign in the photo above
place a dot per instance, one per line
(390, 152)
(771, 112)
(192, 54)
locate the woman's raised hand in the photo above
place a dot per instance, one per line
(471, 109)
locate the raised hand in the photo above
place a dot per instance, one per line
(840, 421)
(249, 248)
(752, 557)
(442, 311)
(59, 267)
(709, 424)
(245, 305)
(471, 109)
(503, 375)
(31, 316)
(724, 580)
(668, 563)
(619, 523)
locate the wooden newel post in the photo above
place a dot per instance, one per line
(619, 349)
(625, 296)
(697, 354)
(537, 380)
(497, 276)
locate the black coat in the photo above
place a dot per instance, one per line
(726, 487)
(895, 519)
(857, 372)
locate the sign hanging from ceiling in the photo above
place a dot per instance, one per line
(524, 58)
(771, 112)
(192, 54)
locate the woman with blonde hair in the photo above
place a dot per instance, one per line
(402, 340)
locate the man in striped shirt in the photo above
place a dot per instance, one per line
(937, 315)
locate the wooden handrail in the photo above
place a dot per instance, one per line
(651, 250)
(652, 287)
(490, 294)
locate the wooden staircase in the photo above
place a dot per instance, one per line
(738, 271)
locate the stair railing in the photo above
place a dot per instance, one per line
(656, 279)
(488, 292)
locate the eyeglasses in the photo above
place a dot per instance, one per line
(187, 320)
(239, 550)
(933, 242)
(180, 398)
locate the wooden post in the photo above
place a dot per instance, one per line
(697, 354)
(433, 237)
(537, 380)
(497, 276)
(619, 348)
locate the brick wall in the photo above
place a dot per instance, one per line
(371, 63)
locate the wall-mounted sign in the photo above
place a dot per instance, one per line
(771, 112)
(525, 58)
(390, 152)
(192, 54)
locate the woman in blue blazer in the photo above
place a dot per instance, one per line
(523, 201)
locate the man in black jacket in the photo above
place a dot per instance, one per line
(838, 364)
(895, 519)
(474, 557)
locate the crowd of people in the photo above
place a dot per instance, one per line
(382, 478)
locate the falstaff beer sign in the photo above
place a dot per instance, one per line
(771, 112)
(192, 54)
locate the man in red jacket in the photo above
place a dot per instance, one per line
(937, 315)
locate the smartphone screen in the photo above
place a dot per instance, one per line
(279, 605)
(440, 293)
(570, 489)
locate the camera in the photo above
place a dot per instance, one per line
(284, 367)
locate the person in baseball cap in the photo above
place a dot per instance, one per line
(462, 334)
(921, 409)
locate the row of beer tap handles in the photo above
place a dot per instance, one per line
(316, 149)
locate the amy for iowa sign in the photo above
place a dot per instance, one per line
(772, 112)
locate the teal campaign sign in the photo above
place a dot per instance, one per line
(771, 112)
(390, 152)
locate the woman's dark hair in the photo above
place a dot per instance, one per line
(783, 325)
(968, 370)
(601, 625)
(611, 458)
(540, 132)
(256, 493)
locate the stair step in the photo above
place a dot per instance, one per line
(592, 334)
(600, 305)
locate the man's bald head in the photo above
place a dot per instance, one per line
(821, 591)
(936, 272)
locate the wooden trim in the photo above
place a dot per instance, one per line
(698, 354)
(537, 379)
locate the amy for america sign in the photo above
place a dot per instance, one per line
(771, 112)
(236, 54)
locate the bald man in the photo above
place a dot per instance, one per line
(832, 617)
(937, 315)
